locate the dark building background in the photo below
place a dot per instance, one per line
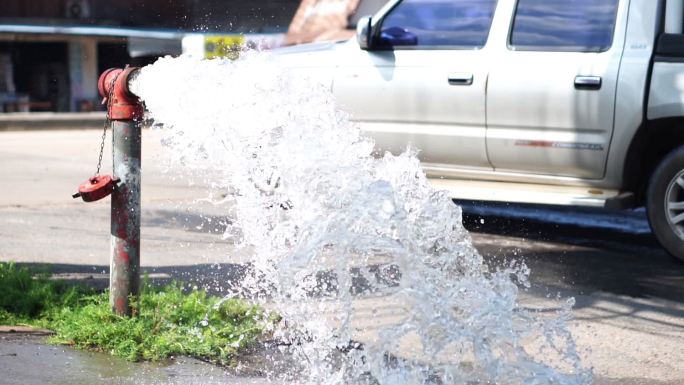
(51, 51)
(246, 16)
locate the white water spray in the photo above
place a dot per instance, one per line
(341, 239)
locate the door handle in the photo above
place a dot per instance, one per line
(588, 82)
(460, 79)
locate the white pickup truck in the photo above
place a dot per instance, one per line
(571, 102)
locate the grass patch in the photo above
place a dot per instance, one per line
(25, 297)
(169, 321)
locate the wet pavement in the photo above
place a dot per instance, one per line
(629, 312)
(27, 360)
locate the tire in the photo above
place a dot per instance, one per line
(665, 203)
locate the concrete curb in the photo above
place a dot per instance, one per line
(51, 121)
(4, 329)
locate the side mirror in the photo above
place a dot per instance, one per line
(363, 32)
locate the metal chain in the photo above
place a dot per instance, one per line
(107, 124)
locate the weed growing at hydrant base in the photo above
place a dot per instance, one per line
(169, 321)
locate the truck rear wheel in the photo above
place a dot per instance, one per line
(665, 203)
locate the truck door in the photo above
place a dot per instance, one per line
(551, 91)
(425, 84)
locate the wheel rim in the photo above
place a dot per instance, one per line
(674, 204)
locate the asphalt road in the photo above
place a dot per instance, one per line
(629, 313)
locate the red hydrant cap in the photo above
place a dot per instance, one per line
(96, 188)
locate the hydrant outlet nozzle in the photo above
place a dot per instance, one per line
(125, 105)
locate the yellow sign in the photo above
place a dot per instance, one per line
(227, 46)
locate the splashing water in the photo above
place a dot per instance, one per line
(347, 246)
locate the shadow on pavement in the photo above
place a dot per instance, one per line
(615, 273)
(221, 279)
(572, 225)
(594, 265)
(214, 278)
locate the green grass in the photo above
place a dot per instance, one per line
(25, 297)
(169, 321)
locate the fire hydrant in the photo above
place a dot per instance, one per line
(125, 111)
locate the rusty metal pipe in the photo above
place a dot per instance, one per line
(126, 112)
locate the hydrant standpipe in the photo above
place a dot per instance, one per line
(125, 111)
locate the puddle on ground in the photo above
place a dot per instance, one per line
(27, 360)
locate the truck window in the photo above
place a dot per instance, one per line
(438, 24)
(564, 25)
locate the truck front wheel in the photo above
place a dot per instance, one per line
(665, 203)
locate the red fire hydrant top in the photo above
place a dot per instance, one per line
(124, 104)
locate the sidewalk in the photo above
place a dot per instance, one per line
(23, 121)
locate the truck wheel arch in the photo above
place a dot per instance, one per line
(651, 143)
